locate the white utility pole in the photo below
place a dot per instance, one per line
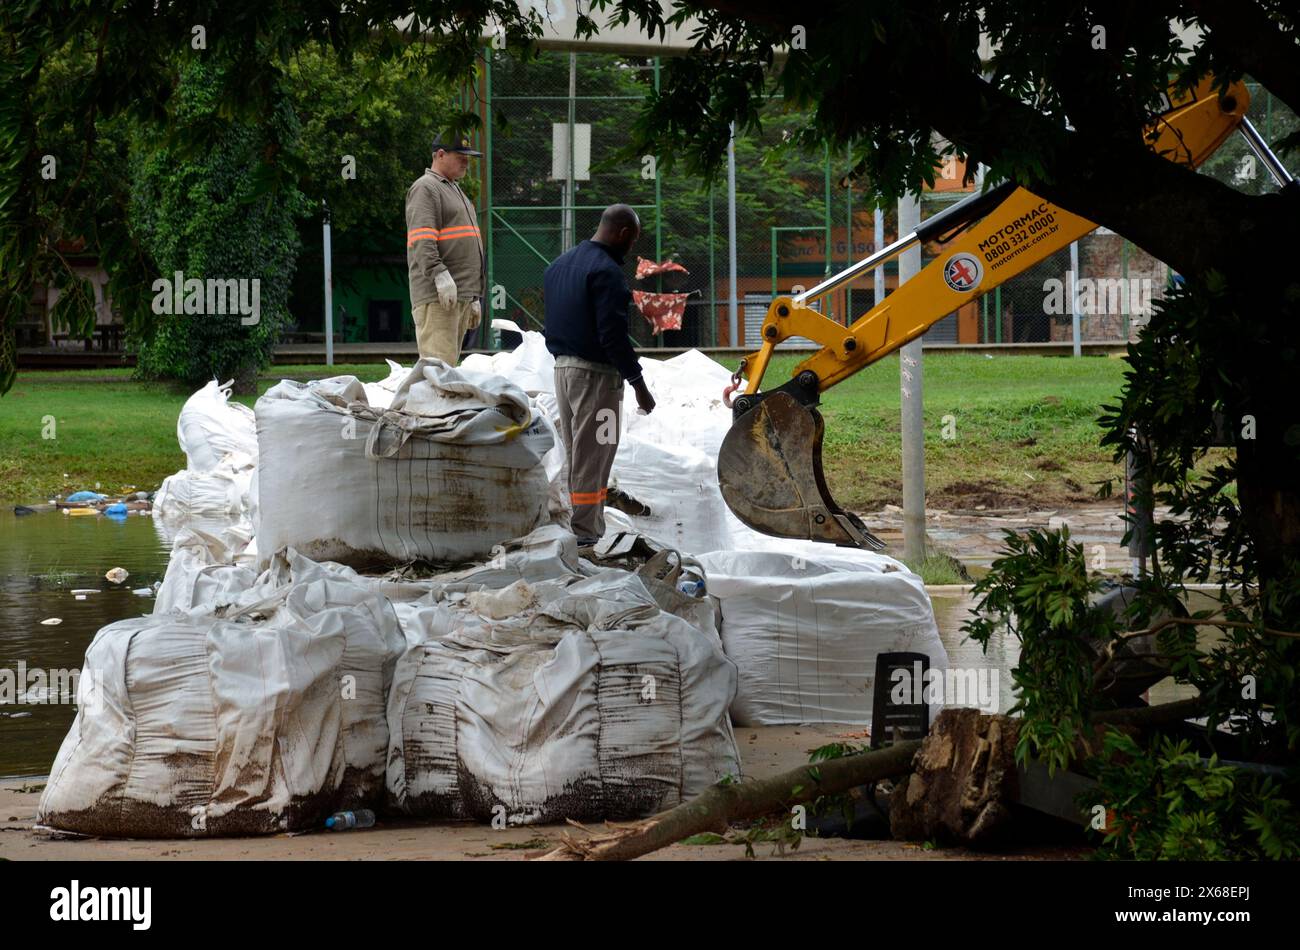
(912, 382)
(568, 216)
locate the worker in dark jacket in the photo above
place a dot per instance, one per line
(587, 303)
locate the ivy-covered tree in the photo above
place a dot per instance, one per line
(202, 216)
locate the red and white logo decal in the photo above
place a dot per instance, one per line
(963, 272)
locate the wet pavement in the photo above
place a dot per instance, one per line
(974, 536)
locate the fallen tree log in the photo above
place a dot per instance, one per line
(716, 808)
(720, 805)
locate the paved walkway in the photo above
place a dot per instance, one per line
(764, 750)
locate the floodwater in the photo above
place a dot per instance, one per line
(993, 668)
(43, 558)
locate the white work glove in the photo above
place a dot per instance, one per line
(476, 311)
(446, 288)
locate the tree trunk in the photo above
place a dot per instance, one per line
(963, 784)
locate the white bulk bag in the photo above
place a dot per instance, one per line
(339, 480)
(804, 632)
(557, 700)
(679, 486)
(221, 492)
(211, 426)
(263, 720)
(380, 394)
(202, 570)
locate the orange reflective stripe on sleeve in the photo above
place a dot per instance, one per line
(461, 231)
(446, 234)
(421, 234)
(588, 497)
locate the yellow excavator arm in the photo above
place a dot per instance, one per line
(769, 464)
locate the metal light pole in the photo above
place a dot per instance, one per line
(329, 285)
(880, 243)
(1075, 317)
(568, 216)
(733, 319)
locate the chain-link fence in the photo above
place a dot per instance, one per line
(798, 218)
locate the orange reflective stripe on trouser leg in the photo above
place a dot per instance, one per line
(583, 398)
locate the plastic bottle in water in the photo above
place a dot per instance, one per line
(343, 820)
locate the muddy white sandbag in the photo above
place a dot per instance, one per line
(805, 632)
(261, 720)
(582, 700)
(222, 492)
(202, 569)
(341, 481)
(210, 427)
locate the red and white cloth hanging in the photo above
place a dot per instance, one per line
(645, 268)
(664, 311)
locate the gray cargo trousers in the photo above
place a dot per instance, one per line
(590, 398)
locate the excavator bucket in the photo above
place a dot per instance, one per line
(770, 473)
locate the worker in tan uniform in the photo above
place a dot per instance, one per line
(444, 253)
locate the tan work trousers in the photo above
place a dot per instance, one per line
(589, 403)
(439, 330)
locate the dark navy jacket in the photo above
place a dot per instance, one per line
(586, 308)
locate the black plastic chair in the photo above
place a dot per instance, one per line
(899, 720)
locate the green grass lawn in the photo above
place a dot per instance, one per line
(1025, 430)
(108, 428)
